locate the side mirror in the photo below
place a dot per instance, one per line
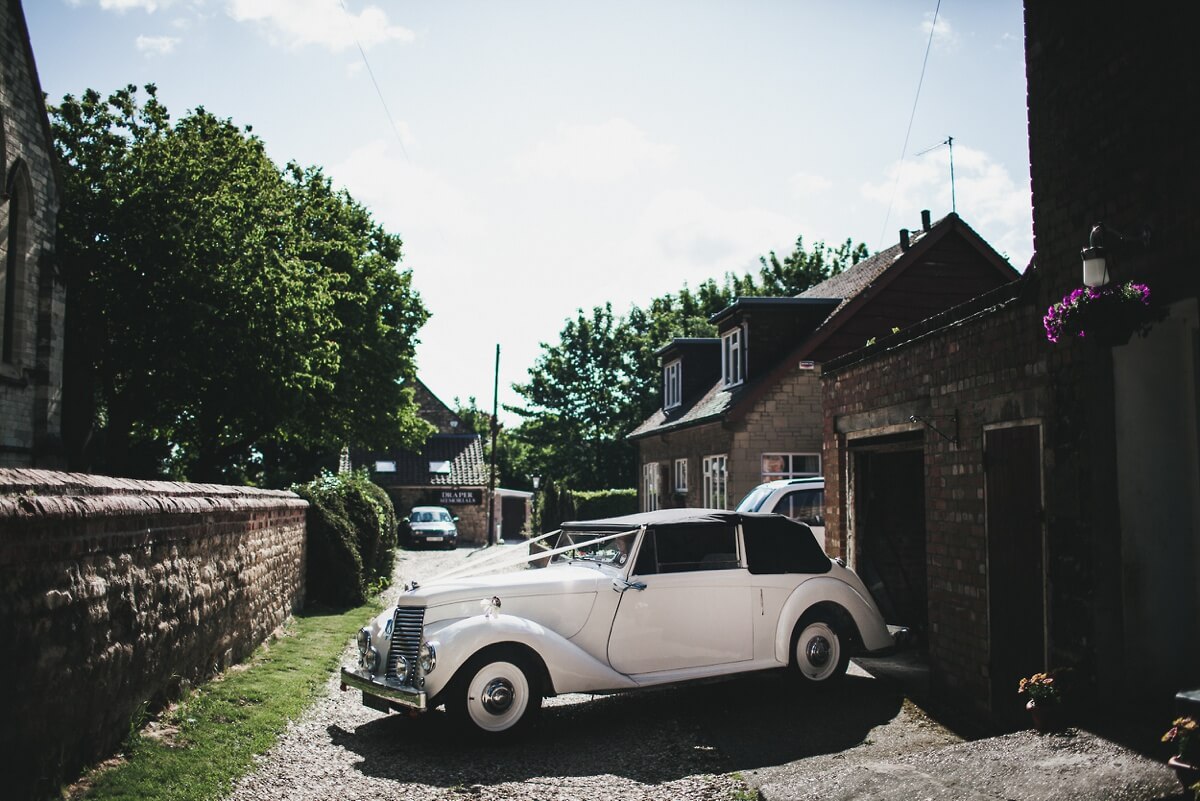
(404, 520)
(455, 518)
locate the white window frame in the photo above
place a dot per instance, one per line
(789, 466)
(650, 486)
(716, 481)
(733, 357)
(681, 475)
(673, 384)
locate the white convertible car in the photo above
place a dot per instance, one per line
(629, 602)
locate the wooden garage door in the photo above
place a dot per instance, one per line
(1016, 573)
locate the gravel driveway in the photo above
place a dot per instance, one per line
(683, 743)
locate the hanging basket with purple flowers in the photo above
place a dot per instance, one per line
(1104, 315)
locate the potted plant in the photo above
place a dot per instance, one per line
(1184, 734)
(1045, 694)
(1104, 315)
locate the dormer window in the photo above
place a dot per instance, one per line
(672, 385)
(733, 357)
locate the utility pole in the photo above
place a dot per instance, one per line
(495, 428)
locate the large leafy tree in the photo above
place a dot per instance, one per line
(220, 311)
(589, 390)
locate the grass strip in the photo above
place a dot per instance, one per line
(225, 723)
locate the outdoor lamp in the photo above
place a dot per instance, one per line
(536, 480)
(1096, 256)
(1095, 260)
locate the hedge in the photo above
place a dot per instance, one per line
(351, 538)
(559, 503)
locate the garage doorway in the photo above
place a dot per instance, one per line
(1016, 561)
(889, 499)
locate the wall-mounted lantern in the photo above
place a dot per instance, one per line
(1097, 255)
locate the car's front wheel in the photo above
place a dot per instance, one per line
(820, 650)
(496, 694)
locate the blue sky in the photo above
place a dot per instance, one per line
(545, 155)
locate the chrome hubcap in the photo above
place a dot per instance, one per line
(818, 651)
(497, 696)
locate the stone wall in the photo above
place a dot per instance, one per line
(32, 293)
(114, 592)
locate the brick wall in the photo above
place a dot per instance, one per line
(114, 591)
(988, 372)
(31, 377)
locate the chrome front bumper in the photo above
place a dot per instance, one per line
(382, 687)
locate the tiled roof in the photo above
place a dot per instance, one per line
(711, 405)
(847, 284)
(464, 452)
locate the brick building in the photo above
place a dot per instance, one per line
(1027, 504)
(745, 407)
(31, 289)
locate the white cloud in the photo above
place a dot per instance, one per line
(803, 184)
(944, 36)
(695, 236)
(149, 6)
(605, 153)
(325, 23)
(401, 195)
(993, 202)
(156, 45)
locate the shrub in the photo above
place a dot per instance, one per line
(351, 538)
(559, 503)
(595, 504)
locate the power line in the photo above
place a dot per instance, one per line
(911, 117)
(375, 83)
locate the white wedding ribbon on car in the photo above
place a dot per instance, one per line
(479, 568)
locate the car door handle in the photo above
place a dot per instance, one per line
(620, 585)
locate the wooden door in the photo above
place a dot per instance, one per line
(1016, 562)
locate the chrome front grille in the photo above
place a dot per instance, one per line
(407, 628)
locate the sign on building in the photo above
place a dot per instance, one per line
(460, 497)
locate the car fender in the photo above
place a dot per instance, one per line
(872, 630)
(570, 668)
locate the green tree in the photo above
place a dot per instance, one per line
(216, 306)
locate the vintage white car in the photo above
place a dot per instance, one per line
(625, 603)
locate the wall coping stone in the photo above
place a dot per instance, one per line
(48, 494)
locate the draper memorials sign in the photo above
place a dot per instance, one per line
(460, 497)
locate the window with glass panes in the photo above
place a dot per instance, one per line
(733, 361)
(672, 385)
(681, 484)
(715, 482)
(790, 465)
(650, 474)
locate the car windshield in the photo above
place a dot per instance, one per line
(613, 551)
(754, 499)
(442, 516)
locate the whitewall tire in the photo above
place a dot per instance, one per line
(820, 652)
(496, 695)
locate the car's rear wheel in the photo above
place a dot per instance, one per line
(820, 650)
(497, 693)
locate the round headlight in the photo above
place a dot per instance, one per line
(371, 660)
(401, 668)
(428, 657)
(364, 641)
